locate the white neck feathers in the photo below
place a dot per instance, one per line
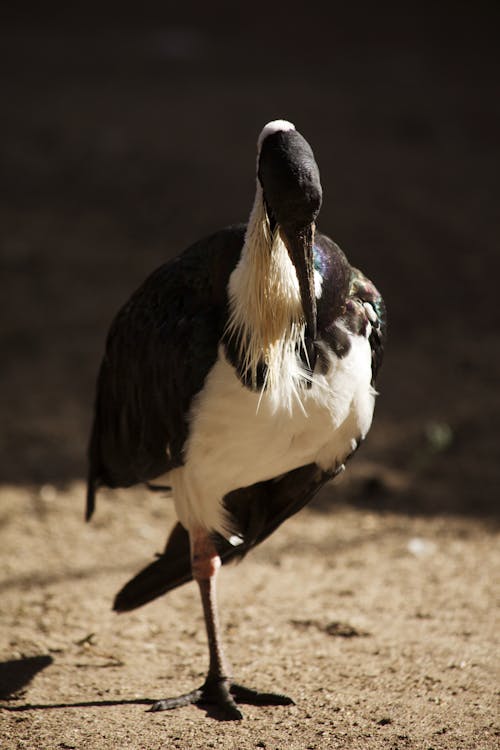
(266, 317)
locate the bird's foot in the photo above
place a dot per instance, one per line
(223, 696)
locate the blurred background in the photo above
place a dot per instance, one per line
(127, 135)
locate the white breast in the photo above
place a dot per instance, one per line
(238, 437)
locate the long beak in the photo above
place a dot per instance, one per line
(299, 243)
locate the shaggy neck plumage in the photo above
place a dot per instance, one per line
(266, 317)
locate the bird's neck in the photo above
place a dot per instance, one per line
(266, 318)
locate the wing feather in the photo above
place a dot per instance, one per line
(159, 350)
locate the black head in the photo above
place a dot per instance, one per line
(290, 182)
(289, 177)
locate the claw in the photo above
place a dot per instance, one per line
(223, 695)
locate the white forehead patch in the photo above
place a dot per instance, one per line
(273, 127)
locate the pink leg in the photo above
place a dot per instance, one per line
(205, 563)
(217, 689)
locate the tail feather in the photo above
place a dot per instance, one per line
(169, 570)
(91, 490)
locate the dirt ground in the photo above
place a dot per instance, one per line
(376, 608)
(380, 627)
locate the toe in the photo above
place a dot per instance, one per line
(182, 700)
(256, 698)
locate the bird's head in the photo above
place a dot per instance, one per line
(289, 176)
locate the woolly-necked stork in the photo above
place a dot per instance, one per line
(240, 374)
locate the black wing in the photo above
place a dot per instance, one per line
(159, 350)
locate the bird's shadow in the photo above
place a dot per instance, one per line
(16, 674)
(80, 704)
(212, 712)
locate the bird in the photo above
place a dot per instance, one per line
(240, 377)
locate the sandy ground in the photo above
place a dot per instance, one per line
(375, 609)
(378, 625)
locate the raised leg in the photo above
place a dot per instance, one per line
(218, 690)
